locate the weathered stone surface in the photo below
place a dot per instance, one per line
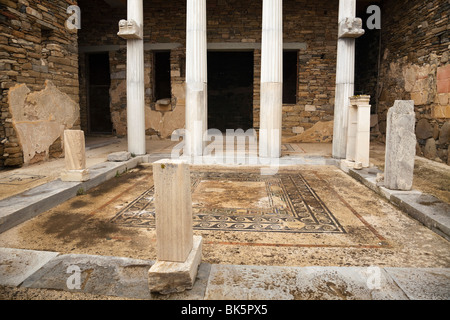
(320, 132)
(429, 151)
(168, 277)
(40, 118)
(424, 130)
(444, 133)
(119, 156)
(400, 146)
(448, 156)
(173, 206)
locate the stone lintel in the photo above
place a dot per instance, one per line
(167, 277)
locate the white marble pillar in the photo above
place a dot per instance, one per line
(271, 79)
(132, 30)
(349, 29)
(358, 138)
(196, 77)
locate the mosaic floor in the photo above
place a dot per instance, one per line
(229, 201)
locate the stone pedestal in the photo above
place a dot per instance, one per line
(271, 79)
(168, 277)
(358, 136)
(178, 252)
(75, 157)
(400, 146)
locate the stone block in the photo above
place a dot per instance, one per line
(173, 204)
(168, 277)
(424, 130)
(350, 28)
(430, 150)
(400, 146)
(444, 133)
(119, 156)
(75, 175)
(75, 156)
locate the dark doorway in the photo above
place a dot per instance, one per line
(162, 75)
(290, 72)
(230, 90)
(99, 114)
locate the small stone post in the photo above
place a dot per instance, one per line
(75, 157)
(358, 137)
(178, 251)
(400, 146)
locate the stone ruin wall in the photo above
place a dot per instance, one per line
(229, 21)
(415, 65)
(39, 92)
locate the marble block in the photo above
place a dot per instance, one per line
(129, 29)
(167, 277)
(119, 156)
(75, 175)
(400, 146)
(173, 204)
(351, 28)
(74, 156)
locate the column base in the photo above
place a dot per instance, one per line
(167, 277)
(75, 175)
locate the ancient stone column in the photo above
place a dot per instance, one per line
(349, 29)
(271, 79)
(196, 77)
(178, 251)
(74, 157)
(400, 146)
(132, 29)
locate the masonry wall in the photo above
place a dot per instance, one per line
(39, 79)
(230, 22)
(415, 66)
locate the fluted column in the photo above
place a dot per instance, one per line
(271, 79)
(349, 29)
(135, 77)
(196, 77)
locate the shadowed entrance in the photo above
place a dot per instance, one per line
(230, 90)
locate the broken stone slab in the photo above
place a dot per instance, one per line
(400, 146)
(167, 277)
(16, 265)
(75, 157)
(119, 156)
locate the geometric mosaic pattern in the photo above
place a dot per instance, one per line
(233, 201)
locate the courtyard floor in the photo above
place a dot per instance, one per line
(304, 215)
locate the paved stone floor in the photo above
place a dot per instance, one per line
(302, 216)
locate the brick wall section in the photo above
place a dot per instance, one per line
(414, 55)
(31, 55)
(233, 21)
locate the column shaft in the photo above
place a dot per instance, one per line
(271, 79)
(345, 79)
(135, 83)
(196, 77)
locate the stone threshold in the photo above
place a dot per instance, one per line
(128, 278)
